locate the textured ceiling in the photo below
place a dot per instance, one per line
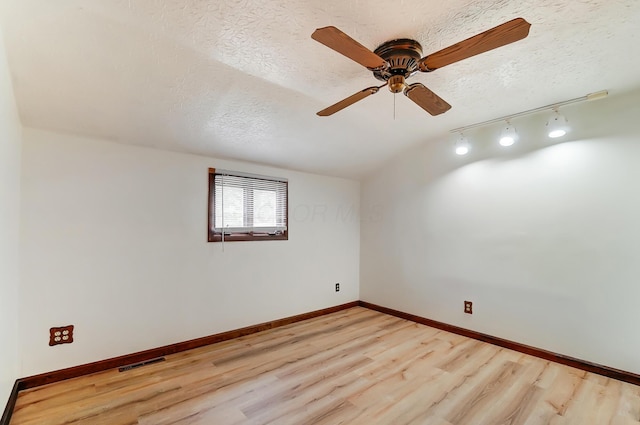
(243, 79)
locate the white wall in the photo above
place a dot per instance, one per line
(114, 242)
(545, 240)
(10, 145)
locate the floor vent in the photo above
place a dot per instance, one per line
(137, 365)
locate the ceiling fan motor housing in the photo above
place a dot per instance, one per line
(402, 57)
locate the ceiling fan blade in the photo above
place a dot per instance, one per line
(426, 99)
(499, 36)
(335, 39)
(349, 101)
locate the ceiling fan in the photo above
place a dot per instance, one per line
(395, 61)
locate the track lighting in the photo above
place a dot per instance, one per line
(557, 125)
(462, 145)
(509, 135)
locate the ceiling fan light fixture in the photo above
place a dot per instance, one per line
(462, 145)
(396, 84)
(557, 126)
(508, 136)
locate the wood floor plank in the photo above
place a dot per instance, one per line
(356, 367)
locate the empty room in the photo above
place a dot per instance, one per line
(319, 212)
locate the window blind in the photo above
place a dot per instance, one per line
(249, 204)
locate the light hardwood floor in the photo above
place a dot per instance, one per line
(356, 366)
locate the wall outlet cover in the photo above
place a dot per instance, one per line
(61, 335)
(468, 307)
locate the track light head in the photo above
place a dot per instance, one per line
(462, 145)
(508, 136)
(557, 126)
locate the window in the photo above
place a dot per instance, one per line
(247, 207)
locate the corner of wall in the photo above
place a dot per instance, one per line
(10, 166)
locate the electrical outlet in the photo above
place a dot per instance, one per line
(337, 287)
(468, 307)
(62, 335)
